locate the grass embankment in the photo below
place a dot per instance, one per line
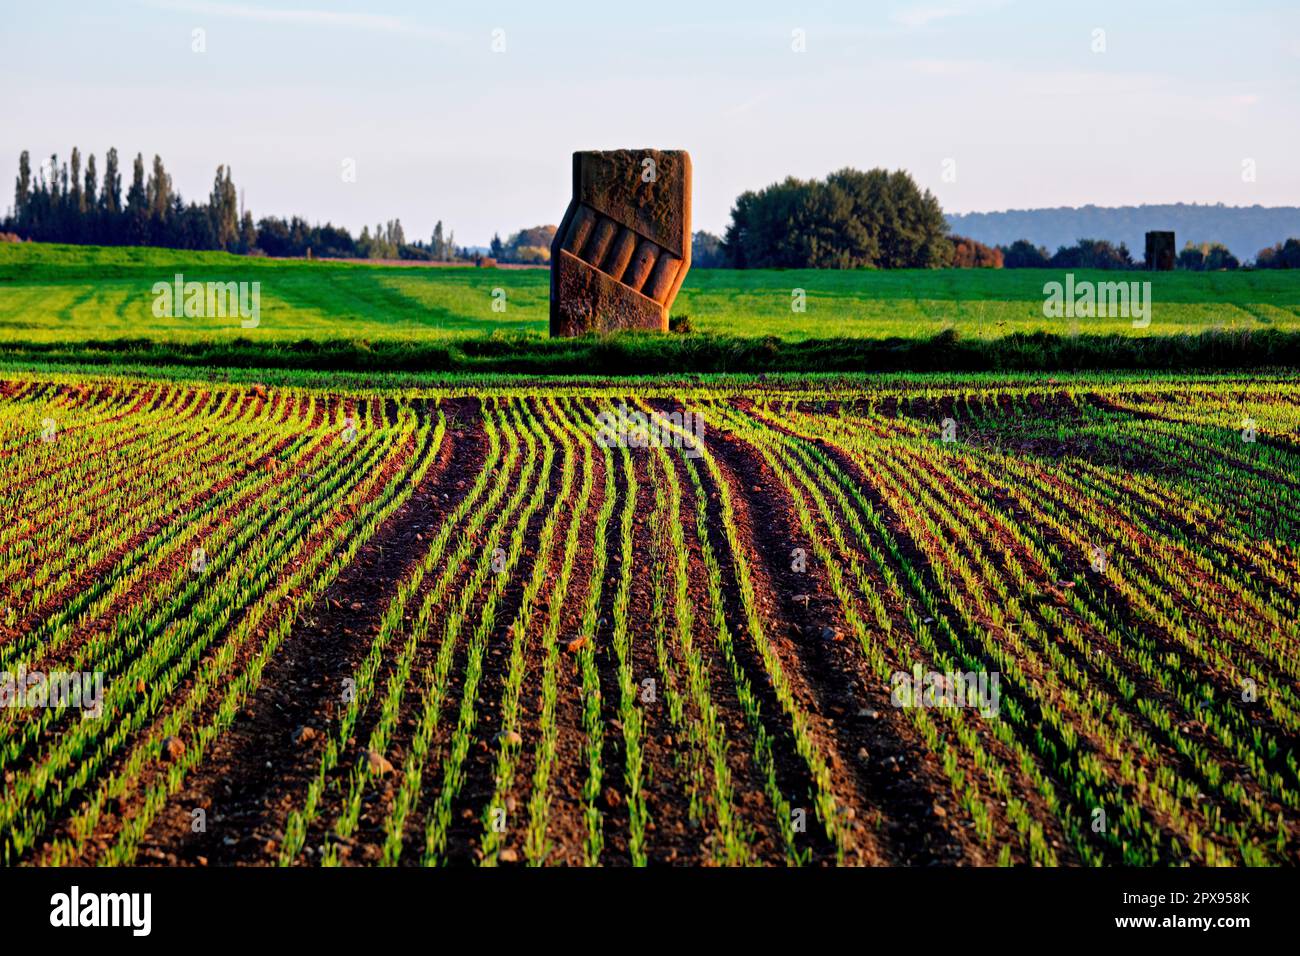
(92, 305)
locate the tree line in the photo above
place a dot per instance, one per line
(709, 252)
(884, 220)
(62, 202)
(876, 219)
(1243, 229)
(530, 246)
(72, 202)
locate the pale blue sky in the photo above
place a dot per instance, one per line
(440, 126)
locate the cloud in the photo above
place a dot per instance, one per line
(372, 22)
(915, 18)
(934, 67)
(1230, 103)
(748, 105)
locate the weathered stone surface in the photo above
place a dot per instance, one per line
(1160, 251)
(592, 301)
(624, 245)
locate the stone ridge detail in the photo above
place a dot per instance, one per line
(623, 247)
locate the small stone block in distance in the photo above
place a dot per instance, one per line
(624, 246)
(1160, 254)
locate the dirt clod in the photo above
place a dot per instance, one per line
(173, 748)
(379, 763)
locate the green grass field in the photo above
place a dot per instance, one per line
(85, 303)
(51, 293)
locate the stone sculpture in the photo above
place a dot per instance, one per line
(624, 245)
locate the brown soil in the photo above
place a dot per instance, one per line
(252, 775)
(896, 800)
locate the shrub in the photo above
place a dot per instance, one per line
(1284, 255)
(1023, 254)
(1093, 254)
(1207, 257)
(850, 220)
(969, 254)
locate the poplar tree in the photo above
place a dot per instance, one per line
(110, 197)
(23, 188)
(137, 205)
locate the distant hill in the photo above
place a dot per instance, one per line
(1243, 229)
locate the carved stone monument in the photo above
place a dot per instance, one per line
(624, 245)
(1160, 251)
